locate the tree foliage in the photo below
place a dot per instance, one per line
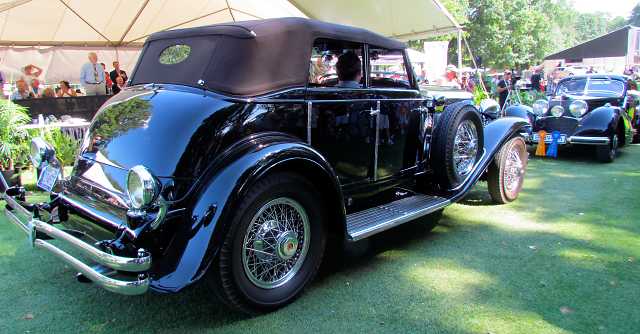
(519, 33)
(120, 118)
(634, 19)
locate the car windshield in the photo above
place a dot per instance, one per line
(594, 87)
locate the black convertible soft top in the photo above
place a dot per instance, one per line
(245, 58)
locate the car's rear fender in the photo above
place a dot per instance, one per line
(212, 205)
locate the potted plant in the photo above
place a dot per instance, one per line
(14, 143)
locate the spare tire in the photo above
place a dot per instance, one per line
(457, 144)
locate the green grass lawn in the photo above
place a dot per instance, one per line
(564, 258)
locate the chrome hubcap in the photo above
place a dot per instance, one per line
(276, 243)
(287, 245)
(513, 171)
(465, 149)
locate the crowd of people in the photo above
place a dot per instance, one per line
(94, 80)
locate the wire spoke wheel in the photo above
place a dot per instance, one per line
(276, 243)
(505, 175)
(465, 148)
(513, 172)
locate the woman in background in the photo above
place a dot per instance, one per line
(66, 90)
(48, 92)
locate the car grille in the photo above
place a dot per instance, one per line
(564, 125)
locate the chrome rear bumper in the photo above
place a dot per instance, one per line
(578, 140)
(33, 227)
(589, 140)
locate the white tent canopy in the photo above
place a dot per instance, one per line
(120, 22)
(401, 19)
(50, 33)
(129, 22)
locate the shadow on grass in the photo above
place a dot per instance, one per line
(534, 265)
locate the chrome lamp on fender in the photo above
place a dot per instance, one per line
(147, 205)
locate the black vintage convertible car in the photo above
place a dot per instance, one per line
(593, 109)
(228, 161)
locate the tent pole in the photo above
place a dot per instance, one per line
(86, 22)
(459, 52)
(124, 34)
(475, 65)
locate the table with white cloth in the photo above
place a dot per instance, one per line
(74, 128)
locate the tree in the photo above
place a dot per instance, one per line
(616, 23)
(634, 19)
(509, 33)
(518, 33)
(590, 25)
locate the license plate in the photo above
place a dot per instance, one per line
(48, 177)
(548, 139)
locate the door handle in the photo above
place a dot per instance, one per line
(376, 111)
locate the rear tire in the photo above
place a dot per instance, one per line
(457, 144)
(506, 172)
(274, 246)
(607, 153)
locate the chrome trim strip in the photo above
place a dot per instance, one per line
(391, 90)
(544, 116)
(142, 263)
(132, 264)
(16, 221)
(309, 109)
(377, 143)
(16, 206)
(588, 140)
(3, 184)
(136, 287)
(365, 100)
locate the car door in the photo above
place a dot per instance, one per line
(340, 118)
(400, 107)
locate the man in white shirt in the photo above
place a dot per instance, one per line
(92, 76)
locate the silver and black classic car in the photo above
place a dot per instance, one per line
(236, 158)
(592, 109)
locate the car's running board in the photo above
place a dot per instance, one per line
(368, 222)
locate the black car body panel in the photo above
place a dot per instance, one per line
(206, 148)
(607, 114)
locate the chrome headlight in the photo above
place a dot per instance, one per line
(142, 187)
(540, 107)
(577, 108)
(557, 111)
(40, 151)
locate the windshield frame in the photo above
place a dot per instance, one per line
(587, 92)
